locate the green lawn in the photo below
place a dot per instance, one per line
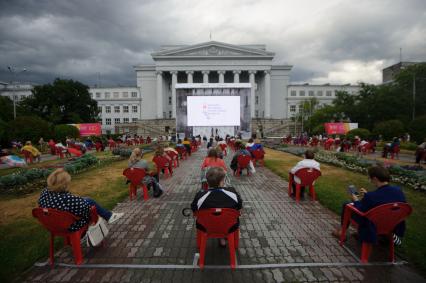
(331, 192)
(24, 241)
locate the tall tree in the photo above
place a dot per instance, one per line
(64, 101)
(6, 108)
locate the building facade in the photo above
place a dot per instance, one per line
(323, 94)
(117, 105)
(16, 91)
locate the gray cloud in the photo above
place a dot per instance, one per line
(340, 41)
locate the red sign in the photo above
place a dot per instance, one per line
(339, 128)
(92, 129)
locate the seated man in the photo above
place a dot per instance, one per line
(385, 193)
(217, 196)
(241, 150)
(308, 162)
(31, 149)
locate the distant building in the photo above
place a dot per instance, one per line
(389, 73)
(16, 90)
(117, 105)
(323, 93)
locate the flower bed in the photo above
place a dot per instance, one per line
(29, 180)
(411, 176)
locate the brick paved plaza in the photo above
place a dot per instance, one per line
(280, 241)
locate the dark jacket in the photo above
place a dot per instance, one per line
(383, 195)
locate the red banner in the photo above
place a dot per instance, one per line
(339, 128)
(91, 129)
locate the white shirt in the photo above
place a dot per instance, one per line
(363, 142)
(305, 163)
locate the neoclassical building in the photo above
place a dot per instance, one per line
(213, 63)
(273, 100)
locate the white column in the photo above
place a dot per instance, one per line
(221, 76)
(267, 94)
(205, 76)
(174, 82)
(252, 92)
(159, 95)
(236, 76)
(189, 74)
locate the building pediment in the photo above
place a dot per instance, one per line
(212, 49)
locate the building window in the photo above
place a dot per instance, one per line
(302, 93)
(107, 109)
(311, 93)
(292, 108)
(328, 93)
(300, 108)
(170, 114)
(108, 121)
(134, 94)
(107, 95)
(98, 95)
(257, 100)
(135, 109)
(115, 94)
(100, 109)
(170, 100)
(319, 93)
(125, 109)
(256, 113)
(125, 94)
(125, 120)
(293, 93)
(134, 120)
(116, 109)
(117, 120)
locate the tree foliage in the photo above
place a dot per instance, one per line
(380, 103)
(360, 132)
(63, 102)
(30, 128)
(62, 131)
(417, 128)
(389, 129)
(6, 108)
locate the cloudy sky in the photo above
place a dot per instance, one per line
(336, 41)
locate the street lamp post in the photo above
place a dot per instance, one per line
(15, 75)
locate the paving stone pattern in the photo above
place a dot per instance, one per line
(274, 230)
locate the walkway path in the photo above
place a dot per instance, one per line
(274, 230)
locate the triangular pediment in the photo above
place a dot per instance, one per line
(212, 49)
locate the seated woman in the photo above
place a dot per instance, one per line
(151, 178)
(241, 150)
(31, 149)
(213, 160)
(57, 196)
(217, 196)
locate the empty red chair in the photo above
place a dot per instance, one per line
(57, 223)
(98, 146)
(258, 155)
(182, 152)
(395, 152)
(217, 222)
(384, 217)
(163, 163)
(135, 176)
(307, 177)
(243, 162)
(28, 156)
(194, 146)
(174, 157)
(112, 144)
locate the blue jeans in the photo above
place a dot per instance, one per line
(102, 212)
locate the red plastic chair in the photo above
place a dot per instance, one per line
(258, 155)
(182, 152)
(60, 152)
(223, 147)
(112, 144)
(307, 177)
(395, 152)
(217, 222)
(28, 156)
(163, 163)
(98, 146)
(385, 217)
(174, 157)
(135, 176)
(243, 163)
(57, 223)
